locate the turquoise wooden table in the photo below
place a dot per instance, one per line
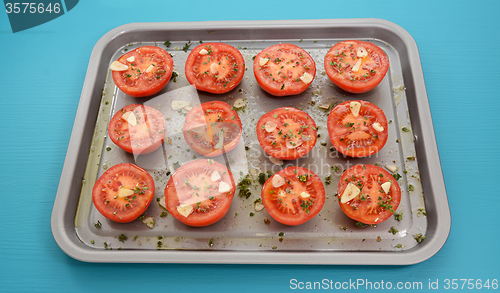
(43, 72)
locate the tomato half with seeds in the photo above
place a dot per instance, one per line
(357, 128)
(284, 69)
(215, 67)
(144, 71)
(212, 128)
(123, 192)
(137, 129)
(368, 194)
(356, 66)
(293, 196)
(286, 133)
(200, 192)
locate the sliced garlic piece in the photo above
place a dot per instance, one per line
(149, 222)
(258, 206)
(130, 118)
(292, 144)
(200, 129)
(325, 106)
(118, 66)
(277, 181)
(306, 78)
(357, 66)
(188, 108)
(392, 168)
(214, 68)
(161, 202)
(131, 59)
(378, 127)
(179, 104)
(361, 52)
(220, 143)
(239, 103)
(215, 176)
(185, 210)
(203, 51)
(263, 61)
(305, 195)
(355, 107)
(124, 191)
(350, 192)
(270, 126)
(150, 68)
(276, 161)
(224, 187)
(386, 186)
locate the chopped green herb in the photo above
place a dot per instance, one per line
(419, 237)
(122, 238)
(397, 176)
(243, 187)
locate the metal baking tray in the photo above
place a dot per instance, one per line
(243, 236)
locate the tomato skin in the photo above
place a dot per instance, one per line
(230, 69)
(143, 138)
(145, 83)
(274, 143)
(120, 209)
(212, 117)
(369, 178)
(364, 140)
(372, 70)
(181, 189)
(287, 63)
(290, 208)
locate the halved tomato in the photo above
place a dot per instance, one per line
(284, 69)
(368, 194)
(137, 129)
(293, 196)
(200, 192)
(286, 133)
(143, 72)
(123, 192)
(357, 128)
(212, 128)
(215, 67)
(356, 66)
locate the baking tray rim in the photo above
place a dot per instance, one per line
(62, 225)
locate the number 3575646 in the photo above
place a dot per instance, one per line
(32, 8)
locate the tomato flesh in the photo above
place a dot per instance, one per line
(348, 70)
(149, 70)
(282, 69)
(141, 134)
(372, 205)
(357, 136)
(215, 67)
(210, 123)
(298, 200)
(112, 203)
(293, 136)
(193, 186)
